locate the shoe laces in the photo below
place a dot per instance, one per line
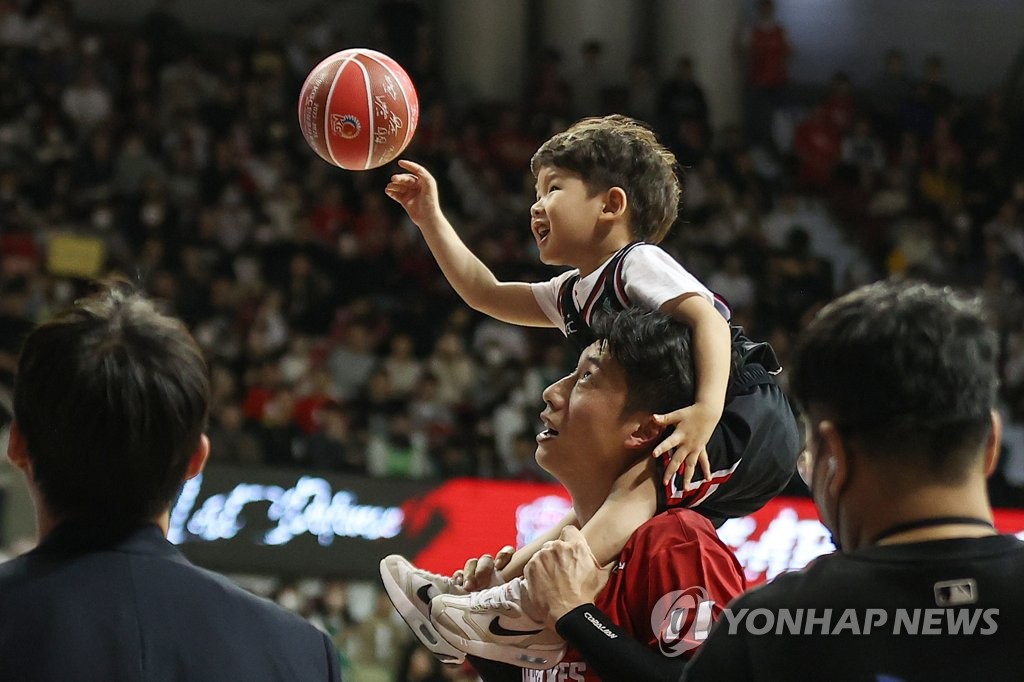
(499, 597)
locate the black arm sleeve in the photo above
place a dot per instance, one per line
(613, 652)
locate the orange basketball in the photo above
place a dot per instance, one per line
(358, 109)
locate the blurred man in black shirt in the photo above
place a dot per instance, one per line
(897, 383)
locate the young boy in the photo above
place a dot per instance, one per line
(607, 193)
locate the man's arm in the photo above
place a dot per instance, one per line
(511, 302)
(564, 580)
(614, 653)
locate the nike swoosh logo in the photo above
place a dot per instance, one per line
(424, 593)
(496, 629)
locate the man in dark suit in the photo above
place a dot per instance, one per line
(110, 403)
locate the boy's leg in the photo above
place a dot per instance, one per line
(501, 623)
(514, 568)
(411, 590)
(631, 503)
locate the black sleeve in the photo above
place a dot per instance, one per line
(493, 671)
(613, 652)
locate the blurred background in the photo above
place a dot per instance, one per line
(359, 407)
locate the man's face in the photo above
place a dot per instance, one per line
(563, 217)
(584, 416)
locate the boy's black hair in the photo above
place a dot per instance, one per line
(619, 151)
(906, 369)
(111, 397)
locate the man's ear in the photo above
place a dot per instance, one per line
(645, 434)
(615, 203)
(17, 451)
(994, 444)
(198, 459)
(836, 458)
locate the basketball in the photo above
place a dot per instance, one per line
(358, 109)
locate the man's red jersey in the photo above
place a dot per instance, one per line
(672, 580)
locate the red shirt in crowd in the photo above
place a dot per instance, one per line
(818, 146)
(769, 56)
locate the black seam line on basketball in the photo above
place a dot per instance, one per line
(496, 629)
(424, 593)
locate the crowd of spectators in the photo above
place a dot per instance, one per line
(174, 159)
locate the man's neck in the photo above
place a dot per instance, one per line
(968, 501)
(47, 522)
(592, 491)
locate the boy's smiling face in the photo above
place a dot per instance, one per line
(564, 216)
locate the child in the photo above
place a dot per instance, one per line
(607, 193)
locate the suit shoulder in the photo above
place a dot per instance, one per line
(15, 570)
(223, 589)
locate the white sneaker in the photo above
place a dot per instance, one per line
(410, 590)
(492, 624)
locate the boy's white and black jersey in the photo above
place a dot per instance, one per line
(640, 274)
(754, 448)
(937, 610)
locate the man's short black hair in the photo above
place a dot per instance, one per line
(111, 397)
(908, 370)
(655, 351)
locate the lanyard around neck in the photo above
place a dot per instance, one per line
(930, 523)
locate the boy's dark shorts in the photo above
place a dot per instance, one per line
(753, 453)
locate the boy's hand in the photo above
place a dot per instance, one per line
(693, 428)
(416, 191)
(485, 571)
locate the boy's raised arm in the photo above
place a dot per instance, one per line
(511, 302)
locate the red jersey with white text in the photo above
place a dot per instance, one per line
(672, 580)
